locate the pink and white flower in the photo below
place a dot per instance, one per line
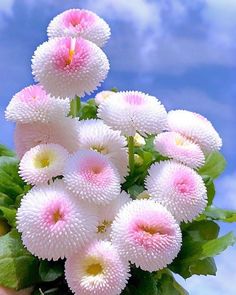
(102, 96)
(67, 67)
(176, 146)
(53, 226)
(63, 132)
(90, 176)
(43, 162)
(195, 127)
(96, 135)
(177, 187)
(133, 111)
(80, 23)
(97, 270)
(146, 234)
(33, 104)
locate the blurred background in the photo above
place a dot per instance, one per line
(182, 51)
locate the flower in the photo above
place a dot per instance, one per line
(179, 148)
(106, 215)
(177, 187)
(80, 23)
(133, 111)
(67, 67)
(63, 132)
(102, 96)
(95, 135)
(33, 104)
(97, 270)
(53, 226)
(43, 162)
(90, 176)
(195, 127)
(146, 234)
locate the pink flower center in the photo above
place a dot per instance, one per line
(78, 19)
(56, 212)
(184, 182)
(33, 94)
(134, 99)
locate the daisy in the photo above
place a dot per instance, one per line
(80, 23)
(102, 96)
(97, 270)
(177, 187)
(90, 176)
(133, 111)
(67, 67)
(146, 234)
(53, 226)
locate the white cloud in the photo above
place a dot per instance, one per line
(6, 6)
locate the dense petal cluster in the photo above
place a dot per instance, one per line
(146, 234)
(96, 135)
(52, 225)
(80, 23)
(179, 148)
(32, 134)
(76, 66)
(97, 270)
(43, 162)
(33, 104)
(195, 127)
(177, 187)
(133, 111)
(102, 96)
(92, 177)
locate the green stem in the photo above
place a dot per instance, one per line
(131, 153)
(75, 107)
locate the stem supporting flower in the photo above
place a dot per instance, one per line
(131, 153)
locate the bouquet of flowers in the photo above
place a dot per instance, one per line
(109, 196)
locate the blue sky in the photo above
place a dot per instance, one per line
(181, 51)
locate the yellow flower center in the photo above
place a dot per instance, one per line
(44, 159)
(57, 216)
(102, 227)
(94, 269)
(100, 149)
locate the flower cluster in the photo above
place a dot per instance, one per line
(79, 206)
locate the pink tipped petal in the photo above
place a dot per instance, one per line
(76, 66)
(92, 177)
(179, 148)
(177, 187)
(146, 234)
(80, 23)
(97, 270)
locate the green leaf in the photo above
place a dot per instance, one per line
(50, 271)
(135, 190)
(11, 184)
(4, 151)
(88, 111)
(141, 283)
(9, 214)
(75, 105)
(5, 200)
(214, 166)
(205, 267)
(18, 268)
(210, 192)
(220, 214)
(203, 230)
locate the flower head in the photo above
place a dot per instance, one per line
(146, 234)
(63, 132)
(80, 23)
(68, 66)
(102, 96)
(97, 270)
(106, 215)
(133, 111)
(53, 226)
(43, 162)
(95, 135)
(176, 146)
(177, 187)
(195, 127)
(33, 104)
(92, 177)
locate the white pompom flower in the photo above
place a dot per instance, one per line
(33, 104)
(63, 132)
(67, 67)
(133, 111)
(43, 162)
(177, 187)
(106, 215)
(97, 270)
(96, 135)
(176, 146)
(146, 234)
(80, 23)
(195, 127)
(102, 96)
(53, 226)
(90, 176)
